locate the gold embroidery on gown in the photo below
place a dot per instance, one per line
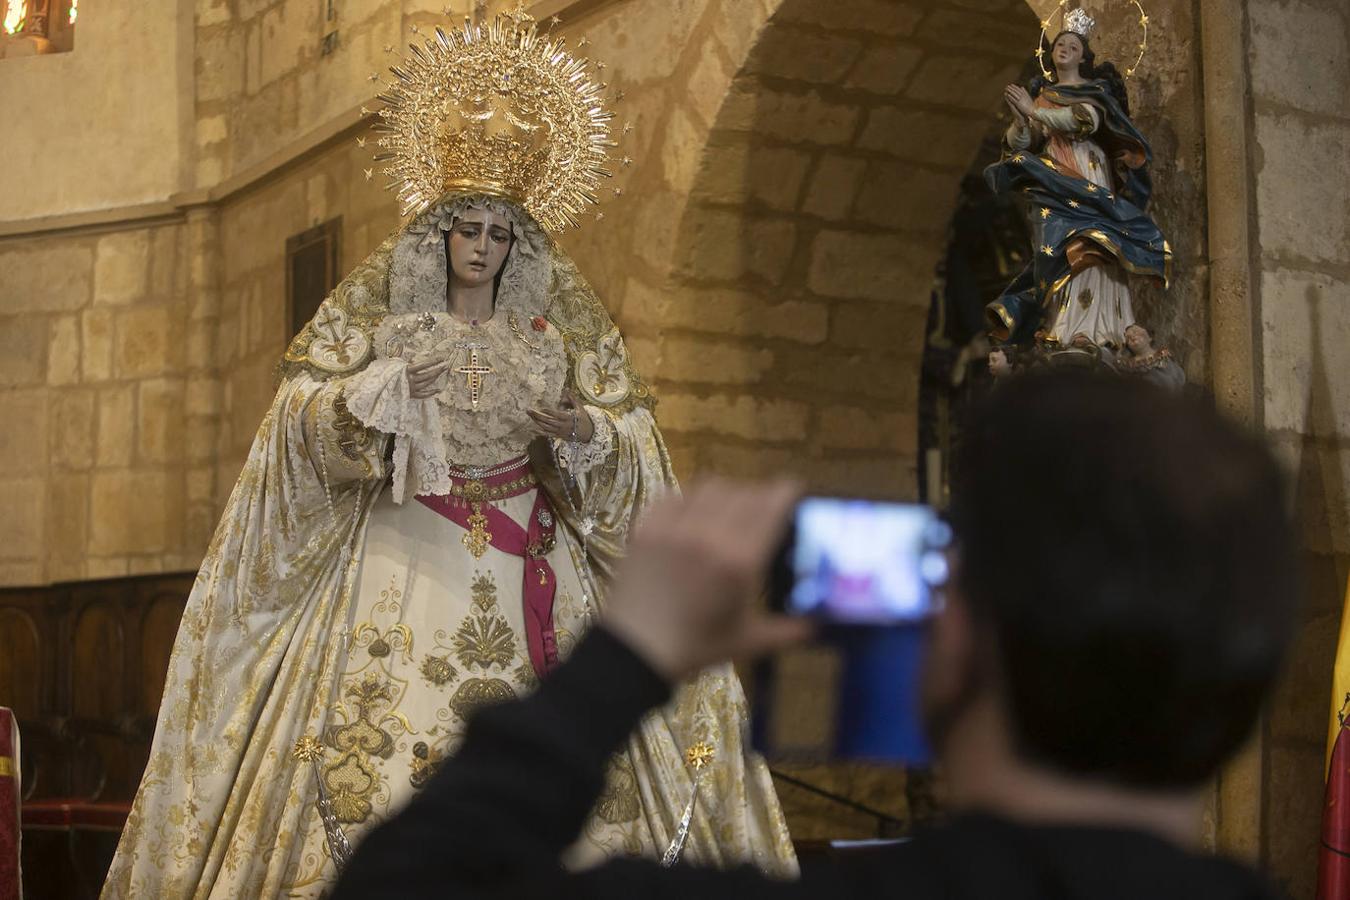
(323, 608)
(339, 620)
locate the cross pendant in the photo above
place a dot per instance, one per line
(474, 372)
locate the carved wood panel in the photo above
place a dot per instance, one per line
(83, 666)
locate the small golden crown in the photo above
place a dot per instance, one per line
(496, 109)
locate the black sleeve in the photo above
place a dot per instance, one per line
(495, 819)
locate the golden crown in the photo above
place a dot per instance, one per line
(498, 109)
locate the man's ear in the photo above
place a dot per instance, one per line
(950, 659)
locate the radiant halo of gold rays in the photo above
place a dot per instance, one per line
(498, 109)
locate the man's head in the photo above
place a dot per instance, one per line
(1125, 584)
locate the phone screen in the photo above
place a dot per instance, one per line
(860, 562)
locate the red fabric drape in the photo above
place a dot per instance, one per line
(531, 544)
(10, 888)
(1333, 868)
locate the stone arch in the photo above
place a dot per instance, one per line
(785, 323)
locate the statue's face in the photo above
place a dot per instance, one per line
(1068, 51)
(998, 363)
(1136, 338)
(479, 242)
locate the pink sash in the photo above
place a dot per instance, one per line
(473, 496)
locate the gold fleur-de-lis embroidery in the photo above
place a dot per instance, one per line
(485, 641)
(484, 590)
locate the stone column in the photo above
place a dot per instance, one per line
(1233, 322)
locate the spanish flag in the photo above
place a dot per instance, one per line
(1333, 869)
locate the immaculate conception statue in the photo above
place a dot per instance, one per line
(1073, 152)
(428, 518)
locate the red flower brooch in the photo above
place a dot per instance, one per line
(539, 323)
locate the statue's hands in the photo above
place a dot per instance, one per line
(423, 378)
(564, 422)
(1019, 100)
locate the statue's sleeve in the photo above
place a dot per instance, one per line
(603, 486)
(1018, 136)
(379, 397)
(582, 458)
(1078, 120)
(256, 634)
(616, 476)
(337, 444)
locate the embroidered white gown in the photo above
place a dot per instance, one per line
(337, 637)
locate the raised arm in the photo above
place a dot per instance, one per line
(497, 817)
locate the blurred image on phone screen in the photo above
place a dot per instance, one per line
(859, 562)
(870, 574)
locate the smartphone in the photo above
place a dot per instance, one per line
(871, 575)
(861, 562)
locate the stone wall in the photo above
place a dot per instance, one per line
(269, 71)
(99, 387)
(253, 331)
(1299, 53)
(786, 331)
(793, 165)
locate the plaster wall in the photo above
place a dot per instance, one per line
(97, 127)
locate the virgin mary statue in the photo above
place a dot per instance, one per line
(427, 521)
(1083, 167)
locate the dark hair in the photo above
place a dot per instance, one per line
(1127, 555)
(1090, 70)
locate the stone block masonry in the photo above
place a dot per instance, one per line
(91, 386)
(1300, 98)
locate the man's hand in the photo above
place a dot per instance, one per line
(686, 596)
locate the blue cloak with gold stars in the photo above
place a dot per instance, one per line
(1080, 222)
